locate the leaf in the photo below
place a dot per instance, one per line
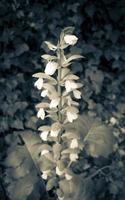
(97, 137)
(70, 77)
(68, 30)
(49, 57)
(99, 140)
(21, 174)
(51, 46)
(53, 182)
(45, 76)
(74, 57)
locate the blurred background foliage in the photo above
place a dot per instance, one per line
(100, 27)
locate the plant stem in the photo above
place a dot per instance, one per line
(59, 87)
(96, 172)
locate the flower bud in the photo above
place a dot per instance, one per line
(41, 113)
(70, 39)
(73, 156)
(39, 83)
(51, 67)
(74, 144)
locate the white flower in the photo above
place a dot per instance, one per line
(44, 135)
(55, 129)
(68, 177)
(41, 113)
(113, 120)
(51, 67)
(45, 151)
(44, 93)
(77, 94)
(72, 113)
(74, 144)
(39, 83)
(61, 198)
(58, 172)
(70, 85)
(54, 102)
(70, 39)
(54, 133)
(45, 174)
(73, 156)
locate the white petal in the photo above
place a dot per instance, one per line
(39, 83)
(68, 177)
(71, 116)
(44, 135)
(58, 172)
(73, 156)
(44, 93)
(70, 39)
(43, 152)
(44, 176)
(70, 85)
(77, 94)
(54, 103)
(41, 113)
(74, 144)
(61, 198)
(51, 67)
(54, 133)
(113, 120)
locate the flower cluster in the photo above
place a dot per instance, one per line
(60, 90)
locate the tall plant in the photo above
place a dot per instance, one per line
(60, 89)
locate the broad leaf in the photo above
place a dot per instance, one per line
(97, 137)
(99, 140)
(22, 175)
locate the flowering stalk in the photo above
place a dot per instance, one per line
(61, 145)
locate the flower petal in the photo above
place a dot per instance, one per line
(54, 102)
(74, 144)
(77, 94)
(59, 172)
(73, 156)
(44, 135)
(43, 152)
(51, 67)
(39, 83)
(68, 177)
(44, 93)
(70, 85)
(41, 113)
(70, 39)
(54, 133)
(71, 116)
